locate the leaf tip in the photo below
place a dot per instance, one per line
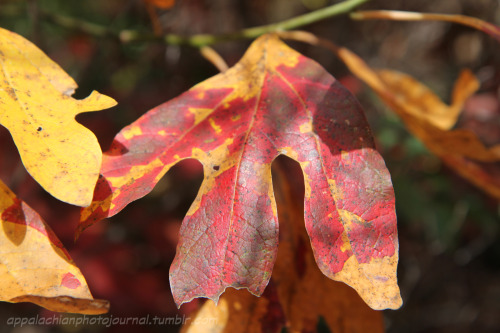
(97, 101)
(383, 297)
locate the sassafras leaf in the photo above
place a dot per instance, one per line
(273, 102)
(36, 107)
(34, 265)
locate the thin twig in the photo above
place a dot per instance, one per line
(215, 58)
(199, 40)
(397, 15)
(77, 24)
(309, 38)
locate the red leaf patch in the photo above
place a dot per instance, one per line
(274, 101)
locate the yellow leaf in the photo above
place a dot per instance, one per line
(63, 156)
(34, 266)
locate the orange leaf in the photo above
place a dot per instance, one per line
(413, 111)
(430, 120)
(486, 176)
(236, 311)
(162, 4)
(34, 265)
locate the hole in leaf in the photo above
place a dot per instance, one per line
(178, 188)
(216, 167)
(39, 129)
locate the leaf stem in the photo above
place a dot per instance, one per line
(396, 15)
(200, 40)
(77, 24)
(215, 58)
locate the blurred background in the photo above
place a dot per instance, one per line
(449, 231)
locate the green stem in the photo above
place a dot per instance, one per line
(200, 40)
(302, 20)
(77, 24)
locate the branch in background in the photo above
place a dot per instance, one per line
(33, 12)
(69, 22)
(200, 40)
(396, 15)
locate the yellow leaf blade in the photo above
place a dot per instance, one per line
(63, 156)
(34, 266)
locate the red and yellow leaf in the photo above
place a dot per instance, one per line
(63, 156)
(273, 102)
(299, 294)
(34, 265)
(305, 294)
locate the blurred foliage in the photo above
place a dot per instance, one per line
(449, 230)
